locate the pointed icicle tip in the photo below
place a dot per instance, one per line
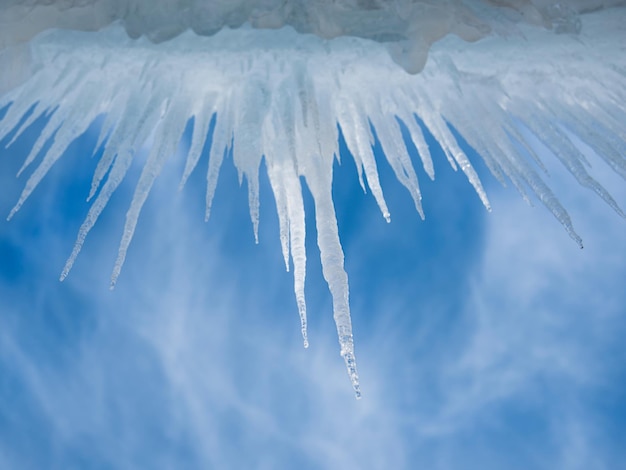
(12, 213)
(350, 361)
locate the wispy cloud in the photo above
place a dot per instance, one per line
(492, 359)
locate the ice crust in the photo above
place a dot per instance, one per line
(407, 27)
(283, 96)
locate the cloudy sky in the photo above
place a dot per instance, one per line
(484, 340)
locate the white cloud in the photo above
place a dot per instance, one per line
(188, 361)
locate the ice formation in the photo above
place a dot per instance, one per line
(280, 79)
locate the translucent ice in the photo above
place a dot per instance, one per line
(283, 78)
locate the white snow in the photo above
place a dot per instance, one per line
(281, 95)
(407, 27)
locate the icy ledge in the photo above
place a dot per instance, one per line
(282, 96)
(407, 27)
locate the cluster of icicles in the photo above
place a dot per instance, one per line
(283, 97)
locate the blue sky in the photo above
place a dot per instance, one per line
(484, 341)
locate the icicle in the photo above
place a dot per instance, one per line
(202, 121)
(222, 141)
(168, 133)
(253, 99)
(359, 140)
(336, 277)
(419, 141)
(283, 96)
(440, 130)
(288, 193)
(395, 151)
(115, 177)
(140, 110)
(569, 155)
